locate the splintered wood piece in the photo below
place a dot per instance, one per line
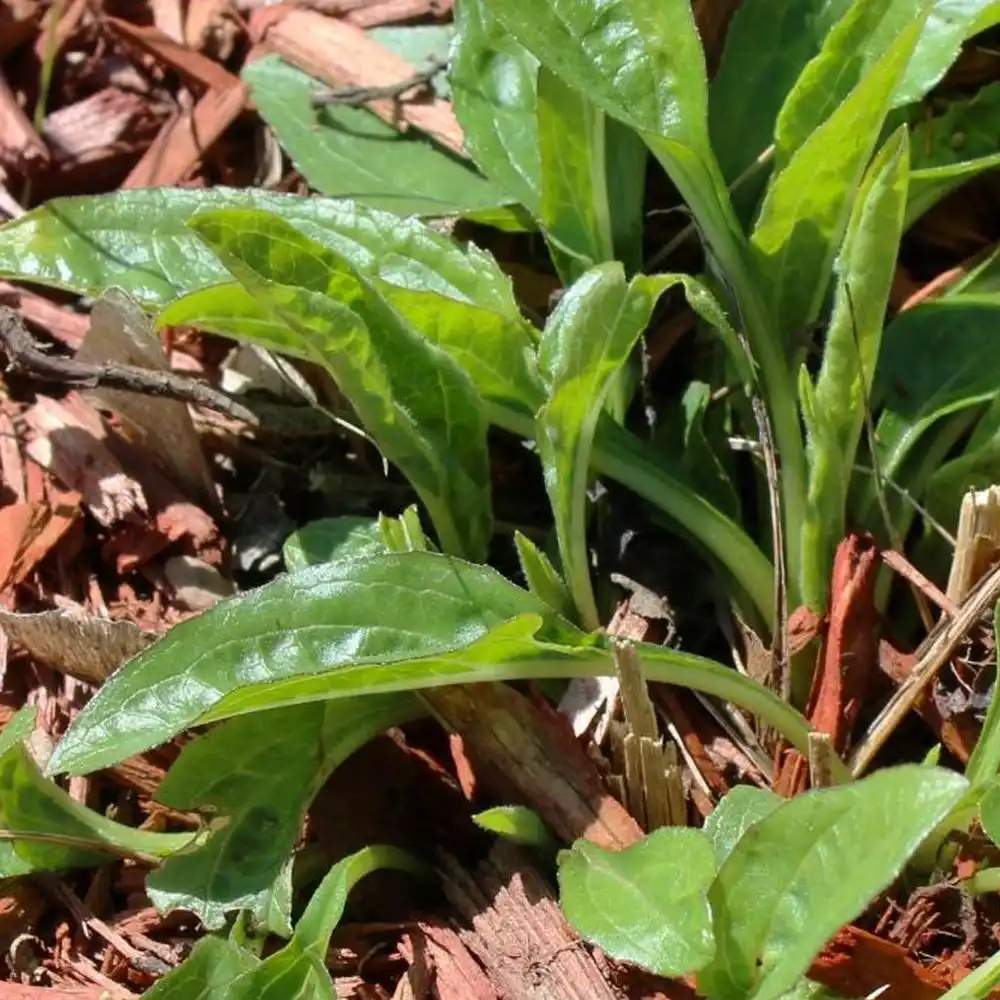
(21, 147)
(342, 55)
(395, 11)
(441, 965)
(517, 931)
(977, 544)
(60, 323)
(191, 66)
(529, 755)
(184, 139)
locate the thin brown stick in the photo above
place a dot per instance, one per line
(356, 97)
(932, 655)
(24, 353)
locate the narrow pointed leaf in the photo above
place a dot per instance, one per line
(797, 876)
(413, 398)
(805, 213)
(835, 413)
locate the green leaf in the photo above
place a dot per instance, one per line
(797, 876)
(254, 777)
(206, 974)
(59, 832)
(139, 241)
(575, 213)
(866, 28)
(767, 46)
(835, 410)
(805, 213)
(413, 398)
(495, 351)
(299, 969)
(915, 389)
(347, 152)
(641, 61)
(333, 539)
(418, 44)
(989, 813)
(585, 343)
(984, 761)
(542, 577)
(306, 623)
(742, 808)
(517, 824)
(493, 93)
(933, 184)
(646, 904)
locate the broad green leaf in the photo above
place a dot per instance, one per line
(517, 824)
(742, 808)
(347, 152)
(834, 410)
(139, 241)
(575, 213)
(984, 762)
(333, 539)
(585, 343)
(254, 777)
(646, 904)
(59, 832)
(306, 623)
(493, 81)
(542, 577)
(804, 215)
(206, 974)
(627, 161)
(412, 397)
(797, 876)
(767, 46)
(299, 969)
(495, 351)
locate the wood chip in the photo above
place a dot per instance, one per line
(183, 141)
(21, 147)
(84, 132)
(517, 931)
(342, 55)
(18, 23)
(191, 66)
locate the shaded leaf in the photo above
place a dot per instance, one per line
(933, 184)
(58, 832)
(989, 814)
(413, 398)
(493, 79)
(306, 623)
(984, 762)
(646, 904)
(797, 875)
(349, 152)
(140, 242)
(254, 777)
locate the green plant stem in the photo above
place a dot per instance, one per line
(987, 880)
(624, 458)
